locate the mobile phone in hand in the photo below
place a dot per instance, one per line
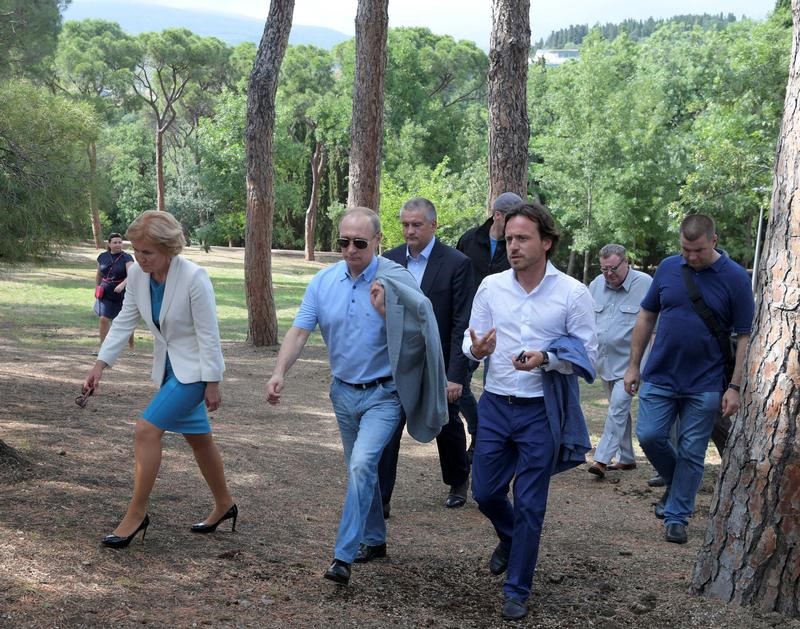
(522, 357)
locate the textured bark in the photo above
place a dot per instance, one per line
(97, 228)
(259, 134)
(508, 106)
(366, 127)
(751, 554)
(318, 160)
(160, 204)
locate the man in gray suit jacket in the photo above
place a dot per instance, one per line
(445, 277)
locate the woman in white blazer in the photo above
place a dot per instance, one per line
(176, 300)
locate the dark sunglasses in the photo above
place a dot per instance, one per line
(360, 243)
(83, 399)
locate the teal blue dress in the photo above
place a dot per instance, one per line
(177, 407)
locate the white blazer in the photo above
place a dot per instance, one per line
(189, 330)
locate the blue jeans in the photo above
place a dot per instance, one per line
(681, 467)
(367, 419)
(514, 442)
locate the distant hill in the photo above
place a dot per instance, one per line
(636, 29)
(232, 29)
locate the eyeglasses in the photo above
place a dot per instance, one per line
(83, 399)
(360, 243)
(611, 269)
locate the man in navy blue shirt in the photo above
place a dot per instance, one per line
(685, 372)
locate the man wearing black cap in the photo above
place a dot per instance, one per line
(485, 245)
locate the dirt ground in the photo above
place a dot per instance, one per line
(603, 560)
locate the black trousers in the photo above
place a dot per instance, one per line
(451, 443)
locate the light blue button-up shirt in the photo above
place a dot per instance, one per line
(353, 330)
(418, 265)
(615, 312)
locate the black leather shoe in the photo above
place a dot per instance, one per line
(514, 610)
(659, 508)
(499, 561)
(457, 496)
(339, 572)
(230, 514)
(656, 481)
(368, 553)
(675, 533)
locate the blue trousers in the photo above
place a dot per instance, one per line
(513, 442)
(681, 467)
(367, 419)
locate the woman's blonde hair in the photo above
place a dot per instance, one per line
(160, 227)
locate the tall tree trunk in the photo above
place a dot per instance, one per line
(509, 49)
(366, 128)
(750, 555)
(589, 197)
(318, 160)
(160, 168)
(97, 228)
(571, 263)
(262, 318)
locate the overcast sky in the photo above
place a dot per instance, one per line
(471, 19)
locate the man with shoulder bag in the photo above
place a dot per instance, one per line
(685, 375)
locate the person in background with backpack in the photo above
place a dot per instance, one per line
(687, 372)
(110, 281)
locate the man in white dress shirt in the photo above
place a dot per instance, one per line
(517, 317)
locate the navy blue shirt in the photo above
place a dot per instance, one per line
(686, 357)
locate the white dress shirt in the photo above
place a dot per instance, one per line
(559, 306)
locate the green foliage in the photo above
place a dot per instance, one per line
(222, 173)
(432, 81)
(28, 35)
(43, 165)
(95, 59)
(630, 138)
(128, 160)
(456, 208)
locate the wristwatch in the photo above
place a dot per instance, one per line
(735, 387)
(545, 359)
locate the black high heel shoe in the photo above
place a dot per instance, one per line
(231, 514)
(115, 541)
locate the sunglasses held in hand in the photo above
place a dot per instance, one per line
(83, 399)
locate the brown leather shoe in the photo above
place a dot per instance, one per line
(621, 466)
(598, 469)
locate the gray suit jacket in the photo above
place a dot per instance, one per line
(415, 352)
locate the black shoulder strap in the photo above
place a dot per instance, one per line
(704, 312)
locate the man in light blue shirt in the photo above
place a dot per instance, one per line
(617, 293)
(348, 304)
